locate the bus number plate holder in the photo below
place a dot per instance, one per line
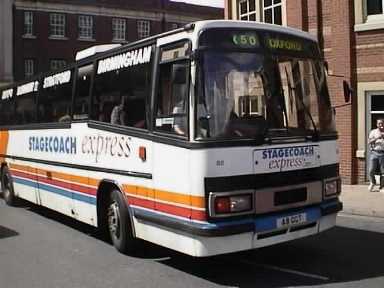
(291, 220)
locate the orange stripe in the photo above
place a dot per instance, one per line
(4, 136)
(176, 198)
(172, 197)
(58, 175)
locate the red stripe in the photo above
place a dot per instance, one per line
(24, 175)
(141, 202)
(168, 208)
(61, 184)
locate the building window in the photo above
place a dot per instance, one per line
(272, 11)
(29, 68)
(57, 25)
(143, 29)
(247, 10)
(28, 23)
(118, 29)
(57, 64)
(375, 8)
(85, 27)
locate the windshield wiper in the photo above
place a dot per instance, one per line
(315, 135)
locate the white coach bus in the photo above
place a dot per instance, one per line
(213, 138)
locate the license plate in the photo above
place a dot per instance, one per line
(291, 220)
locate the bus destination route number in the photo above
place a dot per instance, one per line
(291, 220)
(245, 40)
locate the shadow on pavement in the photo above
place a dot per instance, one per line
(6, 232)
(341, 255)
(338, 255)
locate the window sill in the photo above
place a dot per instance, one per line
(370, 25)
(119, 41)
(57, 38)
(360, 154)
(86, 39)
(26, 36)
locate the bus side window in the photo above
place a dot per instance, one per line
(25, 103)
(120, 95)
(83, 84)
(55, 98)
(6, 107)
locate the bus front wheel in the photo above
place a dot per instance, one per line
(119, 224)
(7, 187)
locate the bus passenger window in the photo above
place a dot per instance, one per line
(6, 107)
(120, 95)
(25, 101)
(55, 98)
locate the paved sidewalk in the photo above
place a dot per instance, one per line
(358, 200)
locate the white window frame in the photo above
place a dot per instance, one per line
(248, 14)
(85, 26)
(28, 23)
(57, 25)
(143, 29)
(55, 64)
(119, 28)
(272, 7)
(375, 17)
(29, 67)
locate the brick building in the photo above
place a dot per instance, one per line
(351, 35)
(47, 33)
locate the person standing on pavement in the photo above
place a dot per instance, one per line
(376, 160)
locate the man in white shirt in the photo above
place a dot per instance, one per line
(376, 160)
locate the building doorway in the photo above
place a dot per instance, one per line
(374, 111)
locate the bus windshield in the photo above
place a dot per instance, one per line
(253, 94)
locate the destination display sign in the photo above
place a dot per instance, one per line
(245, 40)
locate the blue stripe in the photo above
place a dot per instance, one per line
(24, 182)
(261, 223)
(268, 223)
(56, 190)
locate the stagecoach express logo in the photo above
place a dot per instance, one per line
(95, 147)
(286, 158)
(125, 60)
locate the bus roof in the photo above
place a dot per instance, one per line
(200, 25)
(192, 28)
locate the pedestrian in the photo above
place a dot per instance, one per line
(376, 160)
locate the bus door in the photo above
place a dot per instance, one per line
(82, 186)
(24, 173)
(56, 143)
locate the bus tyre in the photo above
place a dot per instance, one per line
(7, 188)
(119, 224)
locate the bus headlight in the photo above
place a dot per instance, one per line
(229, 205)
(332, 187)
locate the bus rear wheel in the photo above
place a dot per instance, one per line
(119, 224)
(7, 187)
